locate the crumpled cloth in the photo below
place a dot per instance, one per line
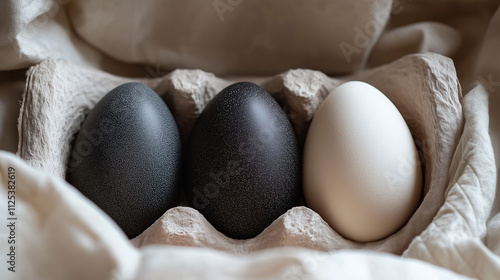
(451, 131)
(224, 37)
(66, 236)
(88, 245)
(424, 88)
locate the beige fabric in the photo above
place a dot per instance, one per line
(53, 236)
(428, 99)
(64, 236)
(454, 238)
(256, 37)
(459, 230)
(34, 30)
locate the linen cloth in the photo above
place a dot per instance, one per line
(255, 38)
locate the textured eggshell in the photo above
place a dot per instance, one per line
(126, 157)
(361, 170)
(242, 167)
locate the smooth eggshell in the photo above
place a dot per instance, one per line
(362, 172)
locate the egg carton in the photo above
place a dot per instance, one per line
(424, 87)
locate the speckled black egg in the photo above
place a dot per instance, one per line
(242, 167)
(127, 156)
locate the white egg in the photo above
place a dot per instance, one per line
(362, 172)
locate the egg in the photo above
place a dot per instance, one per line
(127, 157)
(361, 170)
(242, 167)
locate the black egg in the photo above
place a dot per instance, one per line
(126, 157)
(242, 167)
